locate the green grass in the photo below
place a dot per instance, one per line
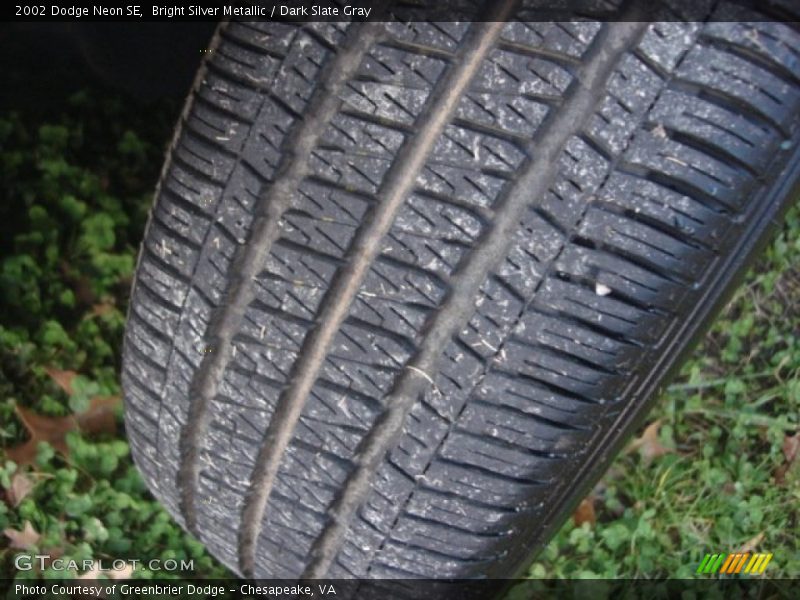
(78, 186)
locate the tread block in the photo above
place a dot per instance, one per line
(679, 213)
(445, 37)
(559, 372)
(472, 484)
(763, 92)
(632, 89)
(229, 96)
(772, 41)
(535, 398)
(622, 277)
(605, 313)
(393, 103)
(362, 378)
(581, 342)
(480, 519)
(483, 152)
(262, 154)
(341, 169)
(356, 137)
(191, 188)
(439, 538)
(569, 39)
(509, 113)
(359, 342)
(438, 259)
(480, 190)
(294, 298)
(403, 68)
(507, 72)
(404, 319)
(663, 251)
(301, 265)
(496, 423)
(336, 423)
(665, 43)
(413, 452)
(726, 132)
(296, 78)
(276, 38)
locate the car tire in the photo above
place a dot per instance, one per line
(407, 288)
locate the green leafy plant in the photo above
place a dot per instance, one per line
(78, 190)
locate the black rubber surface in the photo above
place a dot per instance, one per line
(406, 287)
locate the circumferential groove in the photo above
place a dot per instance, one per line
(366, 245)
(537, 177)
(251, 256)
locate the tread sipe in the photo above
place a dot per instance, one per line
(407, 287)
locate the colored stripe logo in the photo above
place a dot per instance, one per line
(734, 564)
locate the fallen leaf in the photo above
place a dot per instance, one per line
(92, 573)
(51, 554)
(21, 486)
(124, 573)
(585, 512)
(41, 429)
(791, 451)
(84, 293)
(648, 444)
(62, 378)
(80, 284)
(751, 544)
(22, 540)
(95, 572)
(98, 418)
(99, 590)
(95, 590)
(791, 447)
(102, 308)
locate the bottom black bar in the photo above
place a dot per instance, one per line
(390, 589)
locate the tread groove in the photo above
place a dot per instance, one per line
(271, 205)
(445, 323)
(366, 245)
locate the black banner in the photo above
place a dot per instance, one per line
(402, 10)
(733, 588)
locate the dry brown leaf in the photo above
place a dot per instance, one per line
(22, 540)
(585, 512)
(125, 572)
(791, 447)
(41, 429)
(21, 486)
(81, 285)
(95, 571)
(791, 452)
(62, 378)
(84, 293)
(751, 544)
(648, 444)
(102, 308)
(51, 554)
(98, 418)
(92, 573)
